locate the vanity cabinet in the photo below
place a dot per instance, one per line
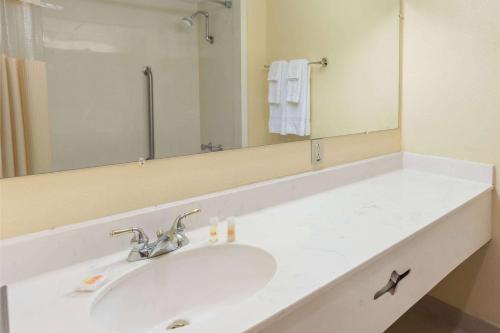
(349, 306)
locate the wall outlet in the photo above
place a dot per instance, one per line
(316, 152)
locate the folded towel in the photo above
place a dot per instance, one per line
(296, 78)
(298, 114)
(277, 104)
(275, 78)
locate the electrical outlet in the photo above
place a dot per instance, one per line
(316, 152)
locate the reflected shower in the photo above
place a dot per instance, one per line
(189, 21)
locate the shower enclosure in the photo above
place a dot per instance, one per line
(101, 58)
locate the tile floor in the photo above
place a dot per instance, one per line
(420, 320)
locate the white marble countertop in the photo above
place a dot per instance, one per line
(316, 241)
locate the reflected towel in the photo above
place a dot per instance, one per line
(275, 78)
(296, 78)
(298, 114)
(277, 90)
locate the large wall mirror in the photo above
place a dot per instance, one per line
(85, 83)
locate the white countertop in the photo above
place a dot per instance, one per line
(316, 241)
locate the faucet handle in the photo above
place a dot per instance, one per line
(178, 226)
(140, 236)
(160, 233)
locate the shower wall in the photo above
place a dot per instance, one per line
(220, 77)
(95, 50)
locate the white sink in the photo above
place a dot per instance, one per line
(187, 286)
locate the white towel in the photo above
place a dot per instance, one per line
(296, 70)
(298, 115)
(275, 78)
(277, 83)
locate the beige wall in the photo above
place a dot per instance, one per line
(452, 108)
(359, 90)
(257, 118)
(34, 203)
(258, 109)
(361, 39)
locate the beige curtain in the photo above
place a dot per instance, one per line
(24, 120)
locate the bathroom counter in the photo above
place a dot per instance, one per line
(319, 241)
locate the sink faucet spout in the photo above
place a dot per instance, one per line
(167, 242)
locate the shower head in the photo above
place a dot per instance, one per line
(189, 22)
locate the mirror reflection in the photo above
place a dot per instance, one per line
(87, 83)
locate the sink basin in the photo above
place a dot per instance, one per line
(190, 286)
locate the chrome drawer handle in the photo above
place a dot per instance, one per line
(391, 286)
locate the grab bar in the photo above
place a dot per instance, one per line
(151, 112)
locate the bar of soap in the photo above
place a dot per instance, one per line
(92, 283)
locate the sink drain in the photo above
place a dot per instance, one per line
(178, 324)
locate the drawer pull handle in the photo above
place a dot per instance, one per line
(391, 286)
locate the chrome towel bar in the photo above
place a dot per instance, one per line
(323, 62)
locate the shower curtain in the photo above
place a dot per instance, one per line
(25, 146)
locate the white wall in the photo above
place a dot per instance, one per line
(220, 76)
(97, 94)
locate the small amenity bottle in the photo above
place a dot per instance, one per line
(231, 229)
(214, 230)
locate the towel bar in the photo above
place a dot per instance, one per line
(323, 62)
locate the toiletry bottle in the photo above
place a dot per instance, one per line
(214, 226)
(231, 229)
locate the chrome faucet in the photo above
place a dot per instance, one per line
(167, 242)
